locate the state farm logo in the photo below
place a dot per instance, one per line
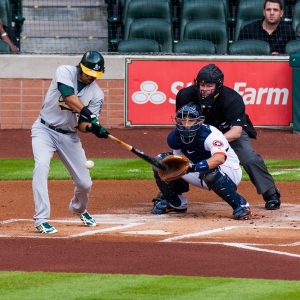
(149, 92)
(265, 95)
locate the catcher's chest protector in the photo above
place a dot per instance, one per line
(195, 151)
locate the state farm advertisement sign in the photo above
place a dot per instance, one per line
(151, 88)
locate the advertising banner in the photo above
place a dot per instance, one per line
(151, 88)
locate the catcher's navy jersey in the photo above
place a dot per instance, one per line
(208, 141)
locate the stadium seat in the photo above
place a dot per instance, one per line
(292, 47)
(153, 29)
(201, 9)
(248, 10)
(141, 9)
(138, 46)
(249, 47)
(4, 47)
(195, 47)
(211, 30)
(5, 13)
(225, 2)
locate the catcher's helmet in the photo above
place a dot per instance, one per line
(188, 119)
(209, 74)
(92, 64)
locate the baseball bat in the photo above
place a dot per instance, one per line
(149, 159)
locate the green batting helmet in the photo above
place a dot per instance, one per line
(92, 64)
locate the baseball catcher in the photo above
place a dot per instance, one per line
(202, 157)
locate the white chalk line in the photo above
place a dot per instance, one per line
(179, 239)
(85, 233)
(248, 247)
(104, 230)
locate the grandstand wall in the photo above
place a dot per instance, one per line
(24, 80)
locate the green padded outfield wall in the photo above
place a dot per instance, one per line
(295, 64)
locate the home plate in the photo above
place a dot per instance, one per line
(154, 232)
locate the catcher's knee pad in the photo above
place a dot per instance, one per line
(171, 189)
(223, 186)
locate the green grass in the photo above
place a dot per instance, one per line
(39, 285)
(130, 169)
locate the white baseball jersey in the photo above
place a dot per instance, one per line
(56, 112)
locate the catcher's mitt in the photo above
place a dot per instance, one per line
(178, 165)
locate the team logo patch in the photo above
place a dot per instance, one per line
(96, 67)
(217, 143)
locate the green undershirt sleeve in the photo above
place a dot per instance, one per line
(65, 90)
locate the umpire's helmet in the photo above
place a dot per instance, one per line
(92, 64)
(210, 74)
(188, 119)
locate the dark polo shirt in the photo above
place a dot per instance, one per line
(277, 40)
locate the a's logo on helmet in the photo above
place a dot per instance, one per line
(97, 67)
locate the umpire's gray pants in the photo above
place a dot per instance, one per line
(253, 164)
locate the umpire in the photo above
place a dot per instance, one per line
(224, 108)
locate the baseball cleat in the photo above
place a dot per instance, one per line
(242, 213)
(87, 219)
(161, 206)
(175, 210)
(46, 228)
(272, 204)
(273, 201)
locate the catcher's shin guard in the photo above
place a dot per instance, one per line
(224, 187)
(171, 189)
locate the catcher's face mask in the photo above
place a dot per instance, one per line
(188, 121)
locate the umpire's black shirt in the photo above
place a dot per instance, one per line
(228, 109)
(277, 39)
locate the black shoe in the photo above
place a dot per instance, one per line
(161, 206)
(273, 201)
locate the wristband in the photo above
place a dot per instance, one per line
(87, 113)
(201, 166)
(3, 34)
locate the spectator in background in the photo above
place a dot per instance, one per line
(271, 28)
(5, 38)
(298, 32)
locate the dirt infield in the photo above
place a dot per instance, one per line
(205, 241)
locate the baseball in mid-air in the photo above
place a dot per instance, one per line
(89, 164)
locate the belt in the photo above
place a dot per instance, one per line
(54, 128)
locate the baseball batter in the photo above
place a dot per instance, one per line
(214, 165)
(73, 102)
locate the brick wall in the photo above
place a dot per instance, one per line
(21, 101)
